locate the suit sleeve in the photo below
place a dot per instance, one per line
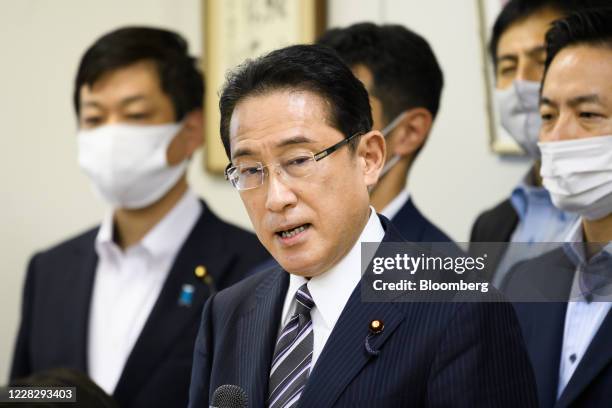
(21, 366)
(481, 361)
(202, 363)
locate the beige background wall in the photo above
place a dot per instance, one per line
(46, 199)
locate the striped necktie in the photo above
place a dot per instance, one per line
(292, 359)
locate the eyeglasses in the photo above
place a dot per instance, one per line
(247, 176)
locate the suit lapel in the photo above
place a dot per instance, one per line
(546, 321)
(345, 350)
(169, 319)
(78, 302)
(596, 358)
(544, 344)
(257, 332)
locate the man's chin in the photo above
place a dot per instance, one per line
(300, 267)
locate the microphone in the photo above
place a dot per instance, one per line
(229, 396)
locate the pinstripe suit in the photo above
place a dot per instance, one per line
(431, 354)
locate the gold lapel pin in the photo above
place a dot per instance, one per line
(376, 326)
(202, 273)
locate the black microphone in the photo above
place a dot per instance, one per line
(229, 396)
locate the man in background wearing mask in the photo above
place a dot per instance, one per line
(518, 53)
(404, 83)
(122, 301)
(569, 342)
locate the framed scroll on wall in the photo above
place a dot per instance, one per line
(235, 30)
(500, 141)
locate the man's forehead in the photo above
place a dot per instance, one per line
(276, 112)
(521, 43)
(123, 95)
(580, 71)
(527, 33)
(137, 78)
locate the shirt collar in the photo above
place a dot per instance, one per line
(574, 246)
(332, 289)
(527, 194)
(396, 204)
(165, 238)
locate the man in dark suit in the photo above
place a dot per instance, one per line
(296, 125)
(517, 52)
(569, 342)
(121, 302)
(404, 82)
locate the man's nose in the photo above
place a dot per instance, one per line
(563, 129)
(280, 195)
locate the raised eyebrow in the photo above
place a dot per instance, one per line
(592, 98)
(537, 49)
(244, 151)
(241, 152)
(544, 101)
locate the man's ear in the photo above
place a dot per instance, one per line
(371, 151)
(193, 129)
(412, 131)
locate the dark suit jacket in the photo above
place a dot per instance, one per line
(414, 227)
(431, 354)
(495, 225)
(543, 326)
(57, 297)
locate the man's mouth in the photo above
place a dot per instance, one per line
(289, 233)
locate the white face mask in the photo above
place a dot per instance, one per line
(127, 164)
(578, 175)
(386, 132)
(520, 114)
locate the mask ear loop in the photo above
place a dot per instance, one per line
(389, 128)
(393, 160)
(180, 127)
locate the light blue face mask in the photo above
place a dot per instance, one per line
(386, 132)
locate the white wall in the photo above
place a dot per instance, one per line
(46, 199)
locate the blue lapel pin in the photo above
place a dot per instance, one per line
(186, 296)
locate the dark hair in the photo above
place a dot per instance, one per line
(179, 75)
(404, 68)
(311, 68)
(516, 10)
(588, 27)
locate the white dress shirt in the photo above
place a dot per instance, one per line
(332, 289)
(396, 204)
(582, 321)
(126, 286)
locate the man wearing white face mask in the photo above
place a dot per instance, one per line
(569, 342)
(518, 52)
(404, 83)
(122, 302)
